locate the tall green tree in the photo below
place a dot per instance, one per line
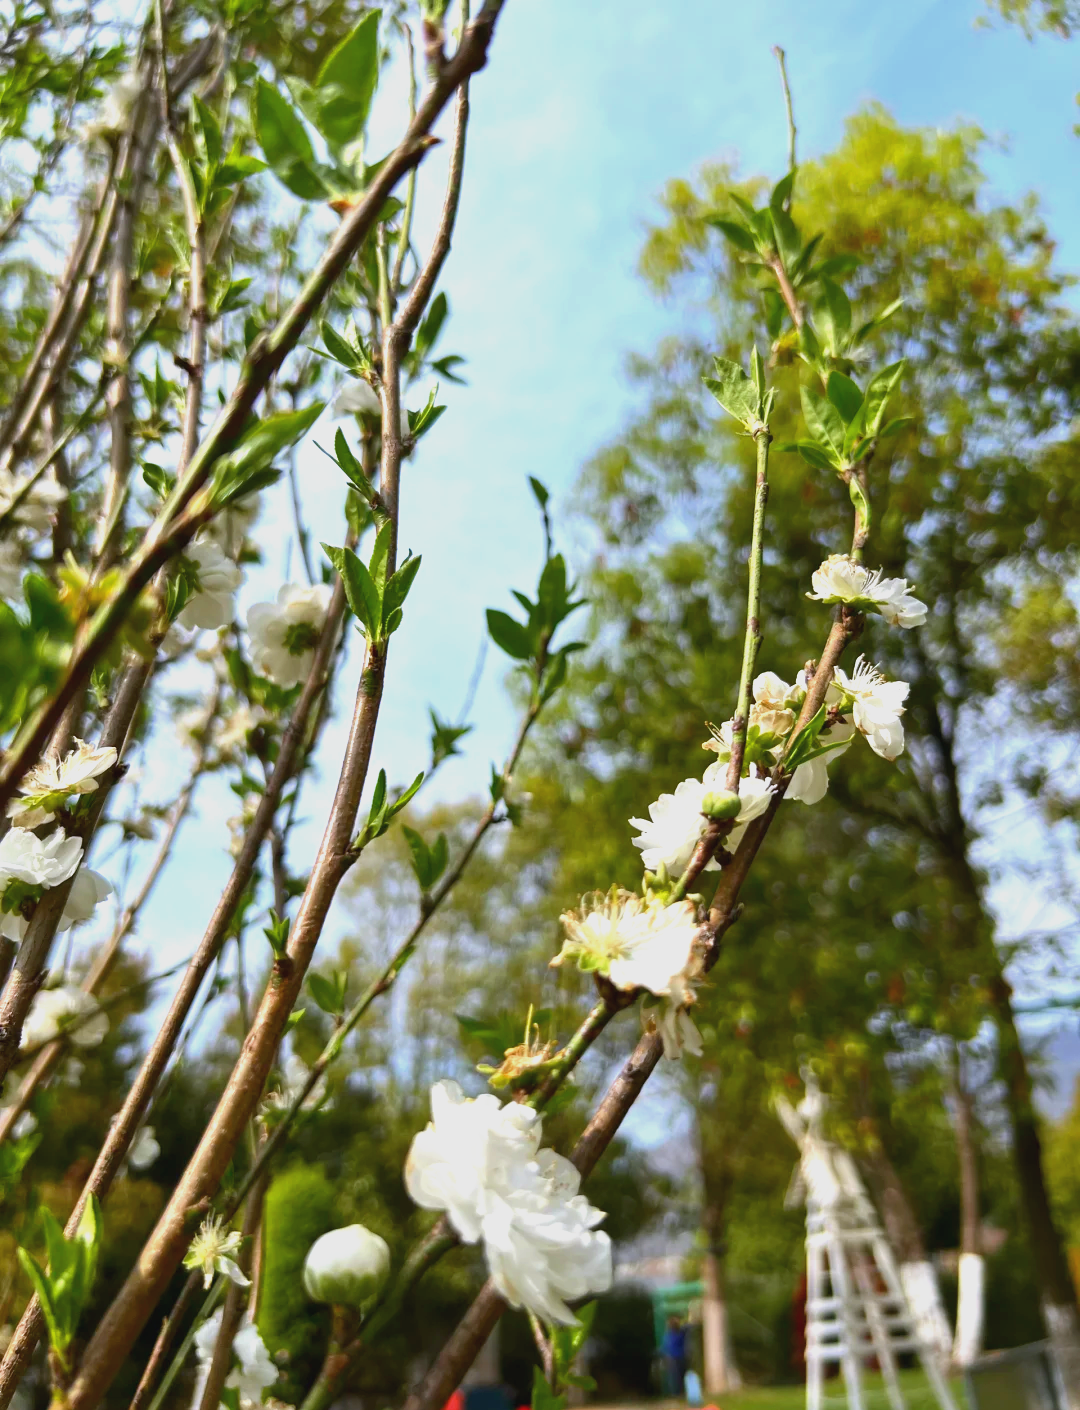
(974, 501)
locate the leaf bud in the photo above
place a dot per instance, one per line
(721, 806)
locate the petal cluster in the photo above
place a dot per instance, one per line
(876, 706)
(841, 579)
(67, 1012)
(481, 1163)
(284, 633)
(254, 1372)
(213, 603)
(53, 780)
(675, 824)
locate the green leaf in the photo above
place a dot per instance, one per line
(898, 423)
(58, 1339)
(804, 741)
(509, 635)
(346, 83)
(360, 592)
(380, 554)
(339, 349)
(243, 470)
(397, 590)
(844, 395)
(540, 492)
(824, 423)
(420, 857)
(833, 311)
(405, 798)
(89, 1234)
(735, 392)
(285, 143)
(326, 994)
(788, 240)
(781, 192)
(878, 392)
(774, 308)
(738, 234)
(207, 131)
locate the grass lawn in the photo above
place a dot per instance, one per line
(917, 1394)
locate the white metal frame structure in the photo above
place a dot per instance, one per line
(855, 1305)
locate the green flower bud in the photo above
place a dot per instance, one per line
(721, 806)
(346, 1267)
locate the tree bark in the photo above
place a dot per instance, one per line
(720, 1368)
(1057, 1292)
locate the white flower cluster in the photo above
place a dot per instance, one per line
(841, 579)
(642, 944)
(284, 633)
(116, 109)
(217, 578)
(481, 1163)
(64, 1012)
(254, 1372)
(676, 824)
(49, 861)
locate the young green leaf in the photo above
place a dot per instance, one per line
(844, 395)
(360, 591)
(509, 635)
(735, 392)
(346, 83)
(285, 143)
(824, 423)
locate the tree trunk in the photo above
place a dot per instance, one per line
(721, 1370)
(970, 1297)
(975, 932)
(1056, 1289)
(917, 1274)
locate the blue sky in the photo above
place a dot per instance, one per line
(585, 110)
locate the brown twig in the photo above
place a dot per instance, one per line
(45, 1061)
(295, 741)
(265, 356)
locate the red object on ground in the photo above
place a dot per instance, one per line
(456, 1401)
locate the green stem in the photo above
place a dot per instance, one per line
(185, 1346)
(752, 639)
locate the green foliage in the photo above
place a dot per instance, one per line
(300, 1206)
(375, 598)
(63, 1288)
(383, 810)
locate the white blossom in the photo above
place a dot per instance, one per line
(346, 1267)
(213, 1250)
(469, 1146)
(284, 633)
(676, 823)
(38, 861)
(638, 944)
(255, 1371)
(841, 579)
(88, 890)
(52, 780)
(115, 111)
(145, 1149)
(213, 604)
(481, 1163)
(37, 507)
(543, 1249)
(359, 398)
(876, 706)
(11, 561)
(65, 1011)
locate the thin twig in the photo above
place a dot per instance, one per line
(781, 59)
(265, 356)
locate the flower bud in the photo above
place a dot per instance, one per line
(721, 805)
(346, 1266)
